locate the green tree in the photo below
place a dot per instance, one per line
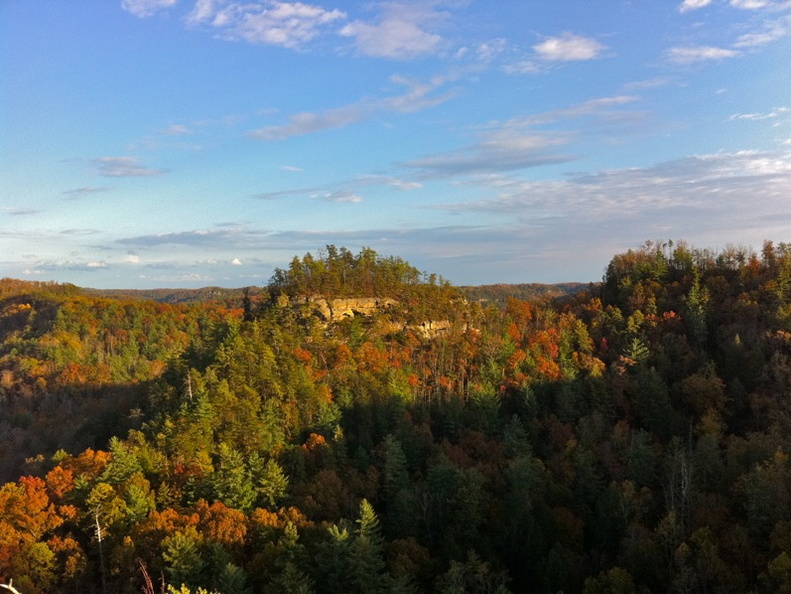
(183, 560)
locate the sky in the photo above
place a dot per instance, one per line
(190, 143)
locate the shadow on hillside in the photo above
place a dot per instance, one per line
(70, 418)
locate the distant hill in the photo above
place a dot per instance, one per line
(498, 294)
(229, 297)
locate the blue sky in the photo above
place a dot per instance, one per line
(184, 143)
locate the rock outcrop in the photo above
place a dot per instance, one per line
(334, 310)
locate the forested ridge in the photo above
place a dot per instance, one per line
(631, 437)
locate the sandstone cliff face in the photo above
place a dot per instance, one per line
(335, 310)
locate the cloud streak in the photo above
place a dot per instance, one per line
(123, 167)
(517, 143)
(87, 190)
(21, 211)
(700, 53)
(419, 96)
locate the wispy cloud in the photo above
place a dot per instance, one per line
(771, 5)
(146, 8)
(277, 194)
(344, 191)
(343, 196)
(175, 130)
(715, 184)
(387, 180)
(401, 32)
(526, 66)
(307, 122)
(568, 47)
(21, 211)
(598, 106)
(86, 190)
(72, 265)
(688, 5)
(418, 96)
(700, 53)
(286, 24)
(505, 150)
(651, 83)
(517, 143)
(123, 167)
(775, 113)
(772, 31)
(229, 237)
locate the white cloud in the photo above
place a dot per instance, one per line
(285, 24)
(693, 5)
(689, 55)
(401, 32)
(291, 168)
(568, 47)
(123, 167)
(146, 8)
(236, 262)
(399, 40)
(131, 258)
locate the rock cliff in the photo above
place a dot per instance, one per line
(334, 310)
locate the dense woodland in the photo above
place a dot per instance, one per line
(634, 437)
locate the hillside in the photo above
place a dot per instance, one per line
(632, 437)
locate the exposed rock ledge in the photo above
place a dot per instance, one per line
(334, 310)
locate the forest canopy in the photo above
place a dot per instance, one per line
(633, 436)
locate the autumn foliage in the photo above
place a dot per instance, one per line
(631, 438)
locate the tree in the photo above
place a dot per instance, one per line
(183, 560)
(272, 484)
(367, 553)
